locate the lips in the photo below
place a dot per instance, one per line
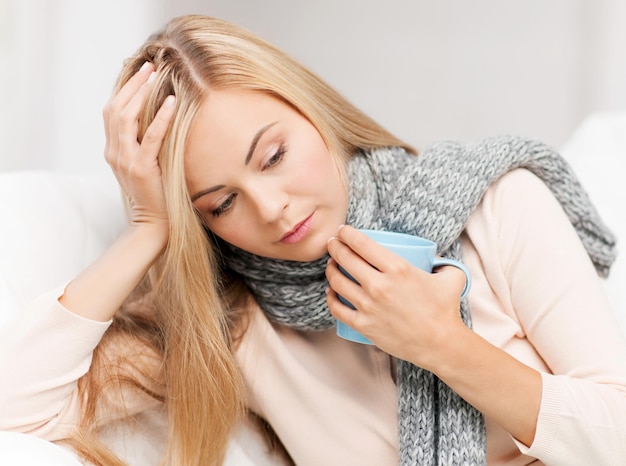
(299, 232)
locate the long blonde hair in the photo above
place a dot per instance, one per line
(194, 308)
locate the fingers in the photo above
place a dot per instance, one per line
(120, 98)
(341, 283)
(155, 133)
(340, 310)
(351, 262)
(340, 287)
(135, 164)
(453, 279)
(363, 257)
(373, 253)
(123, 152)
(116, 104)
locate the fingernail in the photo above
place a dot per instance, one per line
(169, 101)
(151, 77)
(145, 66)
(330, 239)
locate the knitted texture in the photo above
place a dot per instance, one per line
(432, 196)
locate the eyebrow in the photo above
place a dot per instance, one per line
(255, 140)
(253, 144)
(199, 194)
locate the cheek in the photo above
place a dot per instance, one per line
(237, 235)
(311, 178)
(317, 171)
(226, 227)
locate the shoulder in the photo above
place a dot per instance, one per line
(518, 183)
(517, 192)
(519, 215)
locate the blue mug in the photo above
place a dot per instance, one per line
(419, 252)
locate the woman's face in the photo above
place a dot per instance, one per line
(262, 177)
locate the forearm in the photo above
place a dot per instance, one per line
(551, 314)
(501, 387)
(99, 290)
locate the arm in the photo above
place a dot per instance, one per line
(553, 286)
(51, 346)
(100, 289)
(414, 315)
(556, 295)
(42, 355)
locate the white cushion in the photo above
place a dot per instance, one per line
(27, 450)
(53, 225)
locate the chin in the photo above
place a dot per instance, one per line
(313, 256)
(308, 255)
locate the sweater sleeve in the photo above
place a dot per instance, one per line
(562, 310)
(43, 353)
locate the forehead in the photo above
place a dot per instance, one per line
(235, 113)
(227, 121)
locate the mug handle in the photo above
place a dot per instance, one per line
(438, 261)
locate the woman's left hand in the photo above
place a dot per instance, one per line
(405, 311)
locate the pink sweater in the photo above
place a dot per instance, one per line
(535, 294)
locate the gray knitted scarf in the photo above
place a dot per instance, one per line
(433, 196)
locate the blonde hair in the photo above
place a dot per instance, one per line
(194, 307)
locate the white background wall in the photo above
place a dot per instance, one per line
(427, 70)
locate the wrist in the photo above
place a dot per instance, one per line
(149, 235)
(448, 344)
(100, 289)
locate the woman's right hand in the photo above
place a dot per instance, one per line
(99, 290)
(135, 164)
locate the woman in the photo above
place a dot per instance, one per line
(239, 168)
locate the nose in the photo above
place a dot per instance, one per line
(269, 202)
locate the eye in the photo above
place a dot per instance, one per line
(224, 207)
(277, 157)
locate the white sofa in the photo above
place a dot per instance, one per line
(53, 225)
